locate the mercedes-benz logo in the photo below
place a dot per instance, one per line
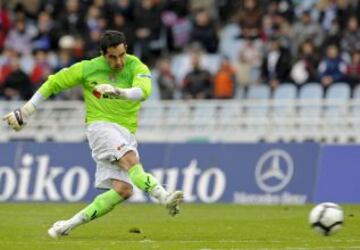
(274, 170)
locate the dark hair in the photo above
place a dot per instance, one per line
(111, 38)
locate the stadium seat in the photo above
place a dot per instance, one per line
(337, 95)
(203, 118)
(355, 109)
(310, 110)
(310, 96)
(284, 97)
(356, 92)
(257, 109)
(355, 115)
(336, 111)
(260, 91)
(283, 111)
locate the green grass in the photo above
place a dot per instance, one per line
(220, 226)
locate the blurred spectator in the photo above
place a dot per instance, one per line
(330, 11)
(92, 44)
(286, 9)
(125, 8)
(306, 29)
(224, 81)
(276, 64)
(65, 54)
(204, 31)
(19, 38)
(104, 7)
(242, 71)
(52, 7)
(17, 84)
(178, 26)
(72, 19)
(282, 30)
(351, 39)
(305, 5)
(5, 23)
(65, 60)
(250, 16)
(202, 4)
(120, 23)
(332, 68)
(166, 80)
(20, 12)
(148, 28)
(333, 35)
(41, 69)
(248, 65)
(6, 58)
(47, 35)
(305, 69)
(93, 18)
(226, 9)
(197, 83)
(353, 69)
(79, 47)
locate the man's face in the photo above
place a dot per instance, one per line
(115, 56)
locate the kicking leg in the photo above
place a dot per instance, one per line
(101, 205)
(146, 182)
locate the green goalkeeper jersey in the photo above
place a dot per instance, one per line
(89, 73)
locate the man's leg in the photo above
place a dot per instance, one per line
(146, 182)
(101, 205)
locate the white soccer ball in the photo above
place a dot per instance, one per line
(326, 218)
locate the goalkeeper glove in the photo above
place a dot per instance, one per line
(18, 118)
(108, 91)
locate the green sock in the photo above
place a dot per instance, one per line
(141, 179)
(102, 204)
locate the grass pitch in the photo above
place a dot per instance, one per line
(205, 227)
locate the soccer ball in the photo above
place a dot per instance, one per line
(326, 218)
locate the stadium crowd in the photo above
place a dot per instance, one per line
(228, 44)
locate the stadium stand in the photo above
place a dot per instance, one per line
(309, 88)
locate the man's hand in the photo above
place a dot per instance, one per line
(18, 118)
(108, 91)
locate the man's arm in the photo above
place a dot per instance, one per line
(141, 87)
(64, 79)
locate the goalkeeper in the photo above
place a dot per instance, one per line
(114, 85)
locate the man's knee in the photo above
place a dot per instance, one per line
(124, 190)
(128, 160)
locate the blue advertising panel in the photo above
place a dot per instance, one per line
(239, 173)
(272, 173)
(339, 174)
(45, 172)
